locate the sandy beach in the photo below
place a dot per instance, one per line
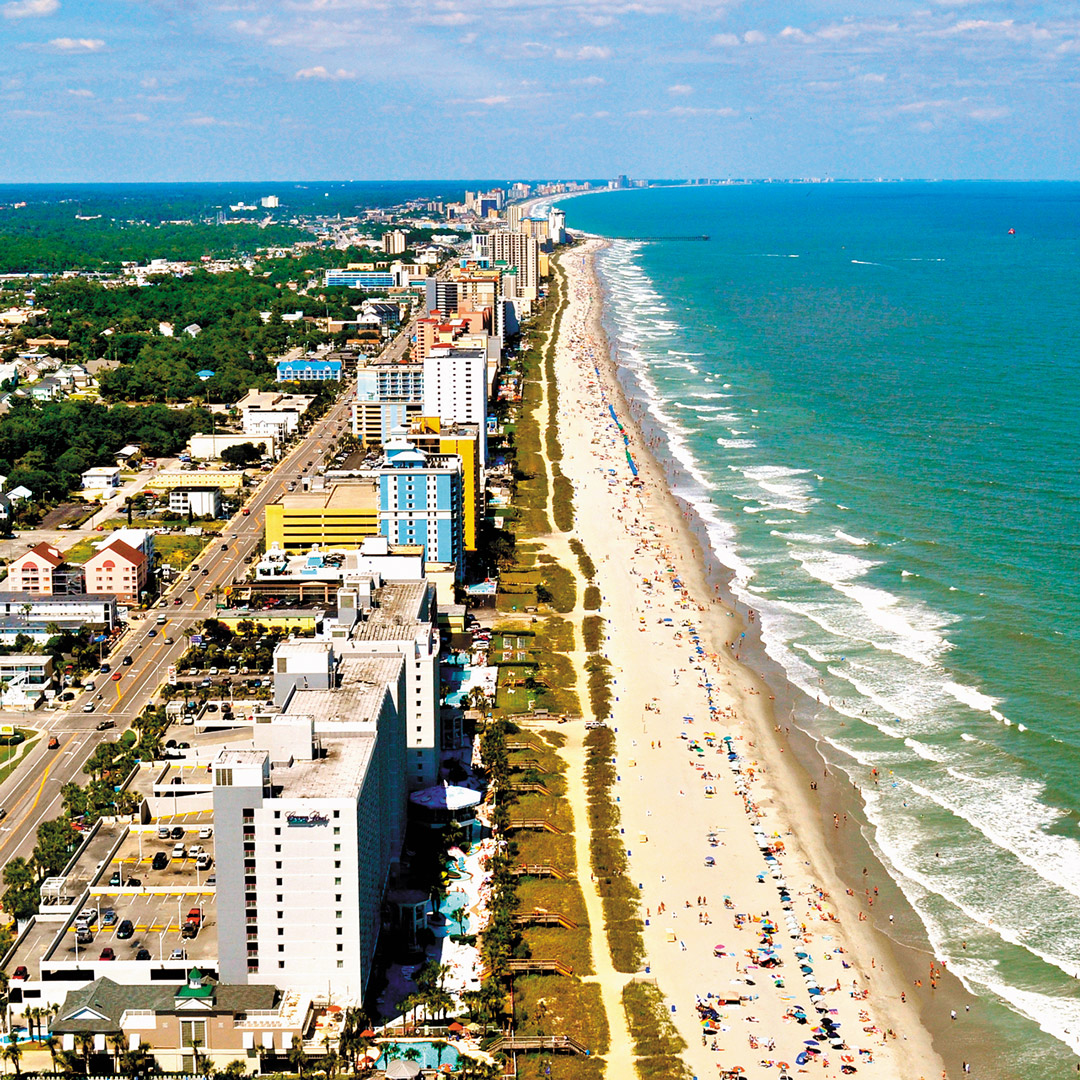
(749, 932)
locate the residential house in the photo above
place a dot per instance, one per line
(32, 571)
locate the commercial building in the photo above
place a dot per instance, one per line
(456, 388)
(420, 501)
(309, 822)
(119, 569)
(197, 501)
(208, 447)
(186, 1027)
(395, 241)
(34, 571)
(520, 251)
(432, 435)
(388, 396)
(340, 515)
(271, 413)
(220, 478)
(368, 280)
(71, 611)
(307, 369)
(24, 680)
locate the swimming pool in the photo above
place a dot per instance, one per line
(429, 1053)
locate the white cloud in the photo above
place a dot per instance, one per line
(793, 33)
(753, 37)
(493, 99)
(586, 52)
(990, 113)
(872, 77)
(75, 45)
(81, 93)
(30, 9)
(451, 18)
(324, 75)
(209, 121)
(685, 110)
(725, 41)
(681, 89)
(589, 80)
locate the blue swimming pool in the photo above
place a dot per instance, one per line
(430, 1055)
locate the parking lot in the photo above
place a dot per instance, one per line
(135, 858)
(156, 928)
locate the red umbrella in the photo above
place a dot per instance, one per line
(367, 1033)
(455, 1026)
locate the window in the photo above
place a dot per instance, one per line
(337, 830)
(337, 897)
(339, 931)
(337, 847)
(193, 1033)
(281, 931)
(341, 963)
(337, 881)
(277, 847)
(341, 948)
(278, 881)
(281, 948)
(337, 864)
(337, 914)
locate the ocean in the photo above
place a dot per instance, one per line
(870, 395)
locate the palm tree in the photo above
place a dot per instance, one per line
(85, 1044)
(49, 1043)
(13, 1053)
(298, 1059)
(234, 1070)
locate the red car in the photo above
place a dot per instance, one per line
(245, 511)
(107, 954)
(117, 676)
(20, 973)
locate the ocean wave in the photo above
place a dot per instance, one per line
(856, 541)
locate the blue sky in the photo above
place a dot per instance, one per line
(100, 90)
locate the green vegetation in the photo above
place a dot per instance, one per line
(622, 920)
(657, 1043)
(13, 752)
(177, 550)
(49, 238)
(562, 499)
(557, 588)
(592, 632)
(585, 563)
(592, 598)
(599, 671)
(46, 447)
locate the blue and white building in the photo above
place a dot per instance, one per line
(420, 501)
(306, 369)
(368, 280)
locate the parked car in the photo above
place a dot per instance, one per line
(206, 832)
(107, 954)
(163, 831)
(143, 954)
(195, 915)
(179, 851)
(84, 936)
(125, 930)
(204, 862)
(189, 930)
(177, 833)
(108, 917)
(160, 861)
(178, 954)
(20, 973)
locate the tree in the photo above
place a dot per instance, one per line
(241, 454)
(13, 1053)
(22, 896)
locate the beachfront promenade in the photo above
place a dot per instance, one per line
(720, 943)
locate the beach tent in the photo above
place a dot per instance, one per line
(401, 1069)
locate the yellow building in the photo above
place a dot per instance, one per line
(341, 516)
(287, 619)
(435, 436)
(227, 481)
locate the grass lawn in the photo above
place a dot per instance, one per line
(544, 848)
(556, 1005)
(515, 601)
(569, 946)
(536, 1067)
(534, 805)
(177, 550)
(82, 551)
(511, 697)
(11, 756)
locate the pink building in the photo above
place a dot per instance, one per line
(32, 572)
(119, 569)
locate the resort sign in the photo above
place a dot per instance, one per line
(307, 820)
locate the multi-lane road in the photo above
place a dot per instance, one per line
(31, 794)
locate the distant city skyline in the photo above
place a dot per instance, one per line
(247, 90)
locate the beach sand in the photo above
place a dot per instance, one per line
(704, 931)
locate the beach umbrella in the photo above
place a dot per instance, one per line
(455, 1026)
(400, 1069)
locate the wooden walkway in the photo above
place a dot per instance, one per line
(540, 870)
(540, 917)
(533, 823)
(551, 1043)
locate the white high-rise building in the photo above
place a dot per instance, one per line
(523, 252)
(556, 225)
(309, 821)
(455, 388)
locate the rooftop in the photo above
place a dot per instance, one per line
(401, 605)
(338, 774)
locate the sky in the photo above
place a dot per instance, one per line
(157, 90)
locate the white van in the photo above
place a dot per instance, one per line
(89, 685)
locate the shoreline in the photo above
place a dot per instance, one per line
(784, 799)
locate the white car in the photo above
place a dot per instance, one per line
(206, 832)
